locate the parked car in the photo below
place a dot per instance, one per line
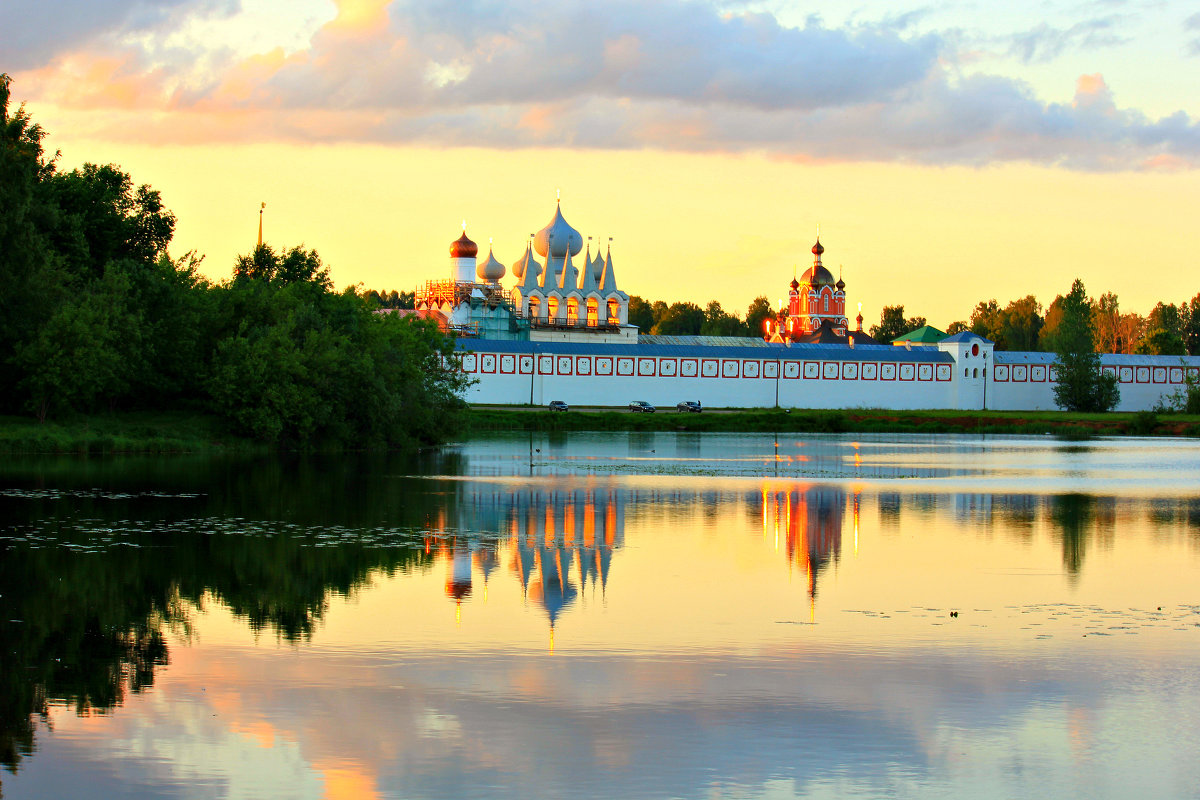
(688, 405)
(558, 405)
(642, 406)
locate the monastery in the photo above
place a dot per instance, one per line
(562, 332)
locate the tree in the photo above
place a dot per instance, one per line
(680, 319)
(1021, 322)
(1190, 326)
(1082, 385)
(719, 323)
(1116, 332)
(756, 313)
(1164, 332)
(892, 324)
(640, 314)
(1048, 335)
(958, 326)
(23, 254)
(987, 321)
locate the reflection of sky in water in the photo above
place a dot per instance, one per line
(589, 632)
(998, 462)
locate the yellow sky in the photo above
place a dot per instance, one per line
(686, 226)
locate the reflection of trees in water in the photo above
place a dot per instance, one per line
(1072, 516)
(104, 575)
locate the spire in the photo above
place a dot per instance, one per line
(608, 282)
(260, 212)
(587, 283)
(530, 270)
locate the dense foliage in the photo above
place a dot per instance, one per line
(1082, 386)
(96, 315)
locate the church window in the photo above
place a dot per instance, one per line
(552, 308)
(614, 312)
(593, 312)
(535, 306)
(572, 311)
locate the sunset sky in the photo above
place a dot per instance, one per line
(950, 152)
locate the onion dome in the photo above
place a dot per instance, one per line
(462, 247)
(490, 271)
(795, 284)
(817, 275)
(818, 248)
(841, 284)
(527, 268)
(558, 238)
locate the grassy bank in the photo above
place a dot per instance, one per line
(183, 432)
(1059, 423)
(131, 432)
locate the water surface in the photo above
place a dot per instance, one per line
(585, 615)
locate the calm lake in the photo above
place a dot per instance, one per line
(639, 615)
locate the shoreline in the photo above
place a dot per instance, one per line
(170, 433)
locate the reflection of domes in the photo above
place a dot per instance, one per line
(491, 270)
(462, 247)
(458, 589)
(557, 238)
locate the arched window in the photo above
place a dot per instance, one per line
(614, 312)
(593, 312)
(552, 308)
(572, 310)
(826, 303)
(535, 306)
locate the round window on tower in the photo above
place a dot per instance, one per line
(975, 349)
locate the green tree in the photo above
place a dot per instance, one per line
(1190, 325)
(84, 353)
(641, 314)
(719, 323)
(958, 326)
(1164, 332)
(987, 320)
(892, 324)
(1082, 385)
(24, 302)
(1021, 322)
(298, 364)
(680, 319)
(1048, 335)
(756, 313)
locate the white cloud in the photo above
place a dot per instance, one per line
(678, 75)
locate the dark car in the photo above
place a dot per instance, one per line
(642, 406)
(558, 405)
(688, 405)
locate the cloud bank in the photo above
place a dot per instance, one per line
(677, 75)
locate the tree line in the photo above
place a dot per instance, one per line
(688, 319)
(96, 315)
(1169, 329)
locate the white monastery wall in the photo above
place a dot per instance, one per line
(511, 373)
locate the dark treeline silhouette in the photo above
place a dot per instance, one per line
(688, 319)
(95, 315)
(392, 299)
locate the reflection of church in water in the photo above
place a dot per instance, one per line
(807, 523)
(559, 542)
